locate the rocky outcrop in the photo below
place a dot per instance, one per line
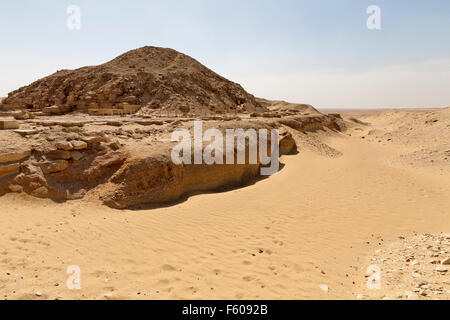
(54, 166)
(287, 108)
(125, 161)
(8, 123)
(312, 123)
(13, 154)
(152, 178)
(287, 143)
(63, 168)
(148, 78)
(9, 169)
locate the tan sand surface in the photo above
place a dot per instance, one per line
(314, 223)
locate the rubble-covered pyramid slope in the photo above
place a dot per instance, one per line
(145, 79)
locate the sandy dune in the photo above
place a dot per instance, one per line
(314, 223)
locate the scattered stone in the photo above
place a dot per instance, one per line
(115, 123)
(54, 166)
(64, 145)
(441, 269)
(13, 156)
(446, 261)
(412, 296)
(79, 145)
(26, 132)
(59, 155)
(9, 123)
(40, 192)
(114, 145)
(15, 188)
(69, 124)
(52, 110)
(92, 140)
(324, 288)
(76, 155)
(29, 169)
(424, 293)
(408, 267)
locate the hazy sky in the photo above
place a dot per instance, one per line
(319, 52)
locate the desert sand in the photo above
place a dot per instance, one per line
(315, 223)
(86, 180)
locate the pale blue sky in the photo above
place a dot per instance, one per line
(317, 52)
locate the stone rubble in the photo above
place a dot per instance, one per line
(413, 268)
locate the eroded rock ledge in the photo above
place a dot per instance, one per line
(124, 161)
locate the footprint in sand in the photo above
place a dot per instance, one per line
(168, 267)
(277, 242)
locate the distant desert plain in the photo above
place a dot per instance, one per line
(360, 208)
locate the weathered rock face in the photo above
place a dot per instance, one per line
(65, 162)
(287, 107)
(154, 179)
(55, 162)
(126, 160)
(8, 123)
(13, 154)
(54, 166)
(150, 177)
(286, 143)
(312, 123)
(149, 77)
(9, 169)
